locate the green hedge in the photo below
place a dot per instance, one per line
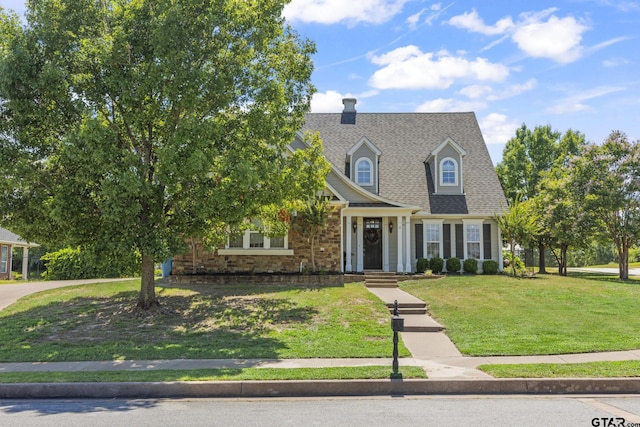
(436, 264)
(422, 265)
(453, 265)
(75, 263)
(489, 267)
(470, 266)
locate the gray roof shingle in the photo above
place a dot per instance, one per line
(406, 141)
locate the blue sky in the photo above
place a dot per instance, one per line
(570, 64)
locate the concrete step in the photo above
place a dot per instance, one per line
(381, 285)
(420, 323)
(409, 310)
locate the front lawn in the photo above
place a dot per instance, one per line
(619, 369)
(548, 314)
(97, 322)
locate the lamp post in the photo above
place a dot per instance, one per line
(397, 324)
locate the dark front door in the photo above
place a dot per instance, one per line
(372, 243)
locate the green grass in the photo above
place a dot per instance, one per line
(613, 265)
(98, 322)
(620, 369)
(244, 374)
(501, 315)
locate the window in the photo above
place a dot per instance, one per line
(255, 240)
(448, 172)
(4, 259)
(473, 241)
(433, 240)
(364, 172)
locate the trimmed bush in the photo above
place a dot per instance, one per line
(436, 264)
(489, 267)
(422, 265)
(453, 265)
(76, 263)
(470, 265)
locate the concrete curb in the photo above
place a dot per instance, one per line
(319, 388)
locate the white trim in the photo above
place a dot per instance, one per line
(456, 171)
(407, 244)
(7, 265)
(349, 249)
(440, 223)
(357, 175)
(364, 141)
(385, 243)
(465, 224)
(255, 251)
(446, 142)
(360, 245)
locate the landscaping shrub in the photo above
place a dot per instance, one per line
(76, 263)
(453, 265)
(489, 267)
(422, 265)
(509, 261)
(436, 264)
(470, 265)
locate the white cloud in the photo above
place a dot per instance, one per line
(615, 62)
(414, 19)
(575, 103)
(341, 11)
(409, 68)
(471, 21)
(331, 100)
(497, 128)
(558, 39)
(449, 105)
(328, 102)
(476, 91)
(539, 35)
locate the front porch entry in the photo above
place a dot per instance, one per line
(372, 244)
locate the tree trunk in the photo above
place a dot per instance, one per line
(563, 260)
(541, 267)
(313, 252)
(623, 262)
(147, 298)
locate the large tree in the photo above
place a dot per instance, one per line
(527, 157)
(607, 179)
(133, 125)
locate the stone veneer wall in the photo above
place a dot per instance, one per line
(327, 254)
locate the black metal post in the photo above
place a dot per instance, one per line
(397, 324)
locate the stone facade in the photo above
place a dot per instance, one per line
(327, 254)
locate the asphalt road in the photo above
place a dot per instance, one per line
(526, 411)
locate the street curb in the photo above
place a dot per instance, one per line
(318, 388)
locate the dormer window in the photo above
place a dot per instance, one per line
(448, 172)
(364, 172)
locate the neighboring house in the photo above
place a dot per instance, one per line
(8, 241)
(403, 187)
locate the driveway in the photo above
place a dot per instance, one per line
(12, 293)
(612, 270)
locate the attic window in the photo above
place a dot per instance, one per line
(448, 172)
(364, 172)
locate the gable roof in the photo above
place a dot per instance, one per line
(405, 141)
(10, 238)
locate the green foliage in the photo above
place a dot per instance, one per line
(141, 123)
(453, 265)
(470, 266)
(74, 263)
(519, 225)
(513, 264)
(422, 265)
(436, 264)
(489, 266)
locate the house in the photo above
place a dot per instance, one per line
(403, 186)
(8, 241)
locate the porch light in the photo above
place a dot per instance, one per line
(355, 226)
(390, 227)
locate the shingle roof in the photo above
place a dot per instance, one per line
(406, 141)
(8, 237)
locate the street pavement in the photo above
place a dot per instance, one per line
(447, 369)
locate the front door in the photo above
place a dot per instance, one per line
(372, 243)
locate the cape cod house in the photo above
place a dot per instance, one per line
(402, 187)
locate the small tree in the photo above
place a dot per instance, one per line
(519, 225)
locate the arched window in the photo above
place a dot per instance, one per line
(364, 171)
(448, 172)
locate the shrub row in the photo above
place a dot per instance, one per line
(453, 264)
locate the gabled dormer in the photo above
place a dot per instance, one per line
(362, 159)
(447, 166)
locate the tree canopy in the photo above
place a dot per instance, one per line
(133, 124)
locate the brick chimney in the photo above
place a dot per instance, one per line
(349, 113)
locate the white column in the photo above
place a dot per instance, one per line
(359, 250)
(349, 267)
(25, 263)
(400, 267)
(407, 253)
(500, 260)
(385, 244)
(424, 239)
